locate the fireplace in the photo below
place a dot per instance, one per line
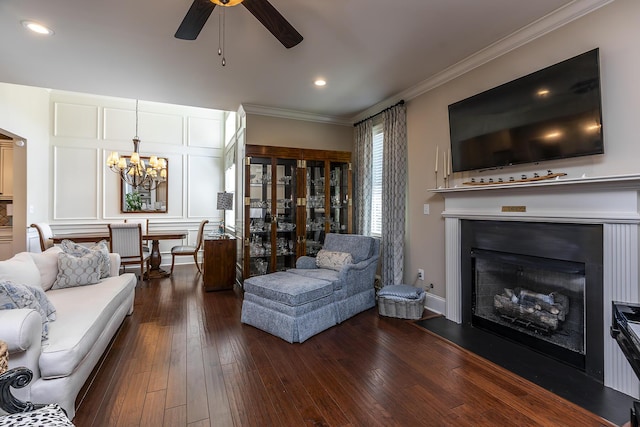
(608, 206)
(538, 284)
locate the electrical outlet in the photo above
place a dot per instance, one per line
(430, 285)
(420, 274)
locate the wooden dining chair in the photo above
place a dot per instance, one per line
(190, 250)
(45, 234)
(126, 239)
(144, 224)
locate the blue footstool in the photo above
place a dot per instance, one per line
(288, 305)
(401, 301)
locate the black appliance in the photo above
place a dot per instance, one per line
(625, 329)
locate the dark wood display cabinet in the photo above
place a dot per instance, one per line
(292, 198)
(219, 264)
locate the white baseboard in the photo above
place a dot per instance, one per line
(435, 303)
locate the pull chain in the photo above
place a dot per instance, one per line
(221, 22)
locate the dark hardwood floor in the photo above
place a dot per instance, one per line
(184, 359)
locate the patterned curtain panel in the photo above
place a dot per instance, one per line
(362, 177)
(394, 188)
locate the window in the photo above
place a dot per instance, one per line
(376, 186)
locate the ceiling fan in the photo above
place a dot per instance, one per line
(200, 11)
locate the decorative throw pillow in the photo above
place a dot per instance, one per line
(51, 416)
(333, 260)
(20, 269)
(78, 270)
(75, 249)
(47, 263)
(14, 296)
(401, 291)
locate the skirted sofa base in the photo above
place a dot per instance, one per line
(288, 306)
(303, 301)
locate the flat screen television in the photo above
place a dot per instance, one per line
(554, 113)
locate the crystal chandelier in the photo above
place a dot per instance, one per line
(134, 171)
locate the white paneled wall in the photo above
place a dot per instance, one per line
(203, 132)
(75, 121)
(202, 198)
(86, 128)
(74, 198)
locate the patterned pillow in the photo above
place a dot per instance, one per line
(333, 260)
(51, 416)
(14, 296)
(75, 249)
(78, 270)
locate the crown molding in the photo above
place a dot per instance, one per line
(521, 37)
(292, 114)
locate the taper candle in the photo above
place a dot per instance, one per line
(437, 148)
(444, 163)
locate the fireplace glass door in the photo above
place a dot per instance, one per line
(537, 301)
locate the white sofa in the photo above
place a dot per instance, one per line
(87, 318)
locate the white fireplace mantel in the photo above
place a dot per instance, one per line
(611, 199)
(613, 202)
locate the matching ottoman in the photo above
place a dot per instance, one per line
(401, 301)
(288, 305)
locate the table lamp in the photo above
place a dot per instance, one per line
(225, 203)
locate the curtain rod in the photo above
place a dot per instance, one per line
(401, 102)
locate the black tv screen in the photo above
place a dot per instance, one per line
(554, 113)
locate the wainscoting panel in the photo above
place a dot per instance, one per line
(75, 121)
(204, 181)
(206, 133)
(162, 128)
(119, 124)
(75, 183)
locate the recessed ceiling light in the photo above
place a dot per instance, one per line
(37, 28)
(320, 82)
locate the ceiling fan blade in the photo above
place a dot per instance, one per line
(195, 19)
(274, 22)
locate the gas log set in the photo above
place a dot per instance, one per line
(540, 312)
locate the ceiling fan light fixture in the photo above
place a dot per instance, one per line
(227, 3)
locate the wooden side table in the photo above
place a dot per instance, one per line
(219, 264)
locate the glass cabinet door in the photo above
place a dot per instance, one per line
(284, 215)
(259, 216)
(315, 206)
(339, 197)
(271, 243)
(328, 208)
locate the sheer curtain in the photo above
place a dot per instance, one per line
(362, 176)
(394, 188)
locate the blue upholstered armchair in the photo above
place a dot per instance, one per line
(349, 262)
